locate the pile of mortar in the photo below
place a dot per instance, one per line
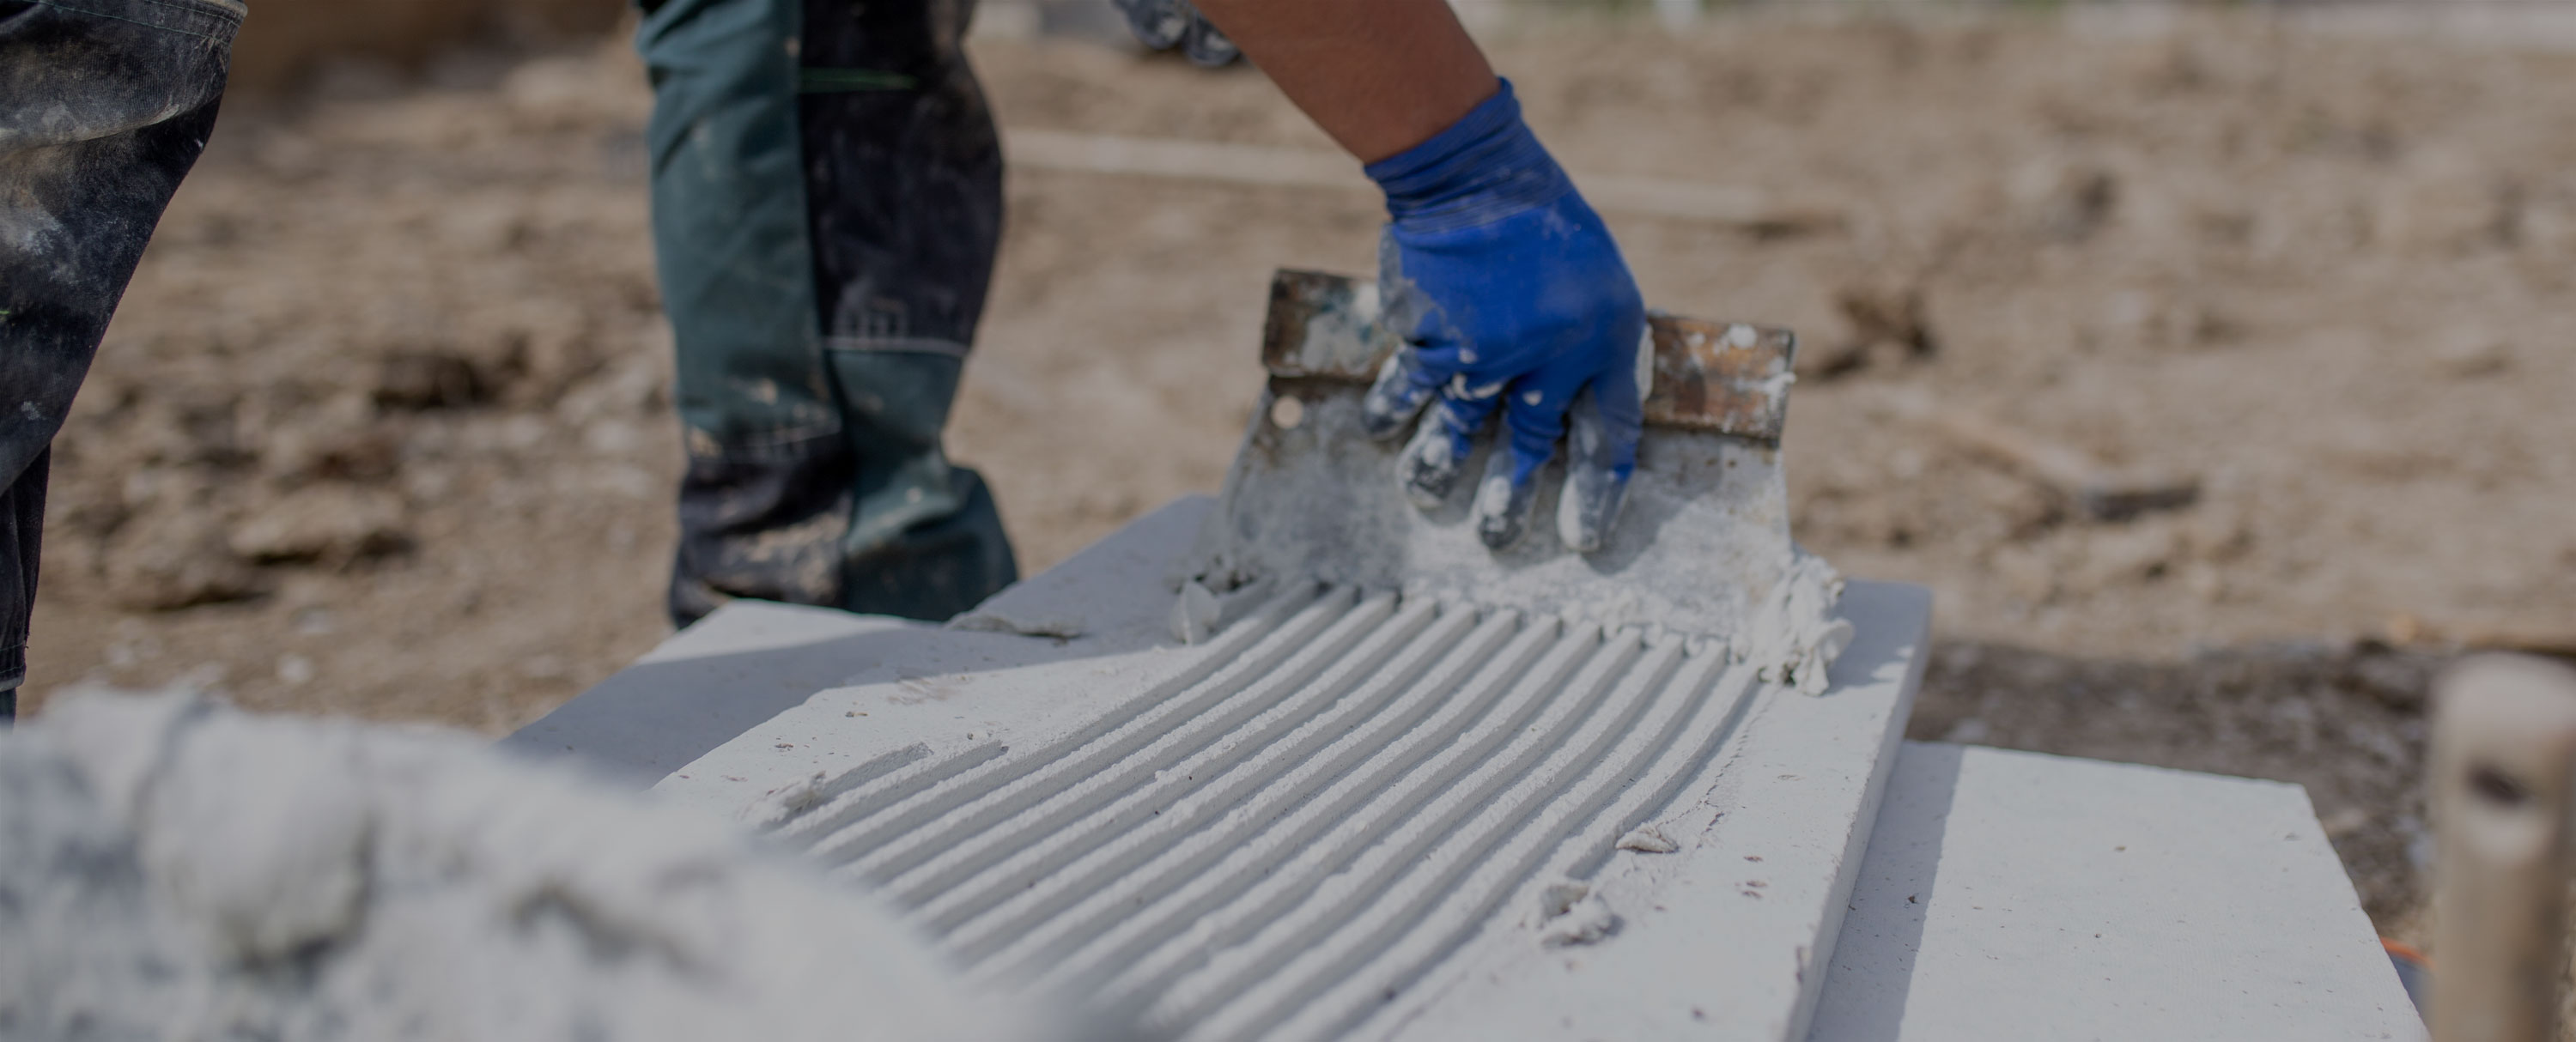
(173, 869)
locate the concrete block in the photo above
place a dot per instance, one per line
(1727, 938)
(752, 660)
(2015, 895)
(1349, 813)
(741, 665)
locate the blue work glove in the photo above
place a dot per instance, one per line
(1505, 290)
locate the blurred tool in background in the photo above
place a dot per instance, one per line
(1165, 24)
(2504, 772)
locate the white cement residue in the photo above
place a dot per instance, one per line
(1049, 626)
(787, 801)
(1555, 899)
(1194, 613)
(1645, 366)
(179, 870)
(1702, 543)
(1570, 914)
(1703, 546)
(1795, 635)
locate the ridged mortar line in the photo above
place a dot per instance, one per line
(1696, 751)
(1484, 667)
(1115, 857)
(1377, 898)
(1091, 801)
(962, 809)
(1679, 768)
(811, 833)
(1220, 653)
(1151, 915)
(820, 796)
(1193, 764)
(971, 824)
(1242, 939)
(1459, 909)
(839, 841)
(1229, 645)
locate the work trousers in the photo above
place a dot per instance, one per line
(826, 205)
(104, 105)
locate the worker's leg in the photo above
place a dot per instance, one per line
(904, 183)
(826, 205)
(104, 105)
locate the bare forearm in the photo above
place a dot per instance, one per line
(1380, 76)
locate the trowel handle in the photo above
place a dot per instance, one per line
(2504, 778)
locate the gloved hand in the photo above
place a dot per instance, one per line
(1161, 24)
(1506, 290)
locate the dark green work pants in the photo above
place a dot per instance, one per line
(826, 204)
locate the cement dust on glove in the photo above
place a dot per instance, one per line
(1506, 297)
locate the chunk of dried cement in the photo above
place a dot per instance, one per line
(177, 870)
(1588, 921)
(1555, 898)
(787, 801)
(1194, 613)
(1795, 635)
(1647, 839)
(990, 620)
(1200, 612)
(1570, 913)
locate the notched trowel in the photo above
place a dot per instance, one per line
(1702, 548)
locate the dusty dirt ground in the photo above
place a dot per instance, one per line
(383, 429)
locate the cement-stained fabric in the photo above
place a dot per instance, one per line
(826, 186)
(104, 105)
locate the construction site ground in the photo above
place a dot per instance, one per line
(383, 427)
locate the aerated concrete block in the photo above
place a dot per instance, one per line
(2011, 895)
(969, 774)
(749, 661)
(1348, 814)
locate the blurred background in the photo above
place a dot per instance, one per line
(383, 428)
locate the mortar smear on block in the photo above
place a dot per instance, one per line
(1350, 787)
(1391, 741)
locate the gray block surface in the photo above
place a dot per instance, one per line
(2226, 917)
(749, 661)
(1728, 937)
(2011, 895)
(1341, 816)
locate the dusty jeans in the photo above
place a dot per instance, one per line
(104, 104)
(826, 206)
